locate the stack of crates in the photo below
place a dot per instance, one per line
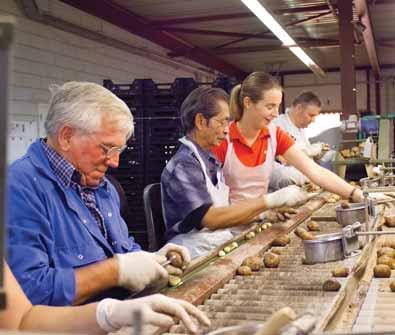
(155, 108)
(162, 127)
(130, 172)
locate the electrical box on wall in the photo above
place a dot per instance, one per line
(42, 116)
(20, 135)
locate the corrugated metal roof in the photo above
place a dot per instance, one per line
(308, 22)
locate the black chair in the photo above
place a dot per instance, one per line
(124, 208)
(153, 214)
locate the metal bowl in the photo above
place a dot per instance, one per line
(328, 248)
(347, 216)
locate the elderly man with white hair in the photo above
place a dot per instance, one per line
(67, 242)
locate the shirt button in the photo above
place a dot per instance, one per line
(114, 243)
(80, 256)
(84, 221)
(34, 178)
(109, 214)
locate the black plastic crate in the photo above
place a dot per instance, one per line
(126, 91)
(162, 112)
(169, 94)
(225, 83)
(157, 131)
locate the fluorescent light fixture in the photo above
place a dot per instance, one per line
(270, 22)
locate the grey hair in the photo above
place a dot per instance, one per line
(83, 106)
(201, 100)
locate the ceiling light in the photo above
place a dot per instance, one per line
(270, 22)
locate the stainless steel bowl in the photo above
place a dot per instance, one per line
(328, 248)
(347, 216)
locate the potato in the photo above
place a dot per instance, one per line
(249, 235)
(176, 258)
(174, 281)
(313, 226)
(389, 243)
(271, 260)
(227, 249)
(310, 187)
(392, 285)
(336, 197)
(230, 247)
(281, 241)
(389, 220)
(276, 251)
(281, 217)
(172, 270)
(386, 251)
(253, 262)
(234, 245)
(345, 204)
(244, 270)
(331, 285)
(382, 271)
(340, 271)
(387, 261)
(303, 234)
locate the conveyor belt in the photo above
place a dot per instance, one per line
(247, 299)
(377, 312)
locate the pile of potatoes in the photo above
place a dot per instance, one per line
(313, 226)
(332, 198)
(311, 187)
(254, 263)
(333, 284)
(227, 249)
(354, 152)
(280, 214)
(304, 234)
(385, 262)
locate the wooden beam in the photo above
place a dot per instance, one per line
(137, 25)
(368, 35)
(347, 67)
(233, 16)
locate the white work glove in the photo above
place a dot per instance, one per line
(378, 170)
(156, 310)
(186, 256)
(357, 196)
(136, 270)
(314, 149)
(287, 196)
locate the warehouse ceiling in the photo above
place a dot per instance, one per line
(225, 36)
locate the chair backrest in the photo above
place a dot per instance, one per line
(153, 214)
(124, 208)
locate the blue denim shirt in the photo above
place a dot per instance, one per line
(184, 190)
(51, 232)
